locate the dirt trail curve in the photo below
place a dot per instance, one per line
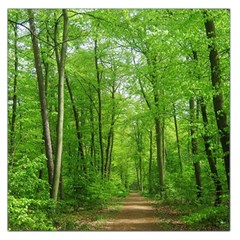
(136, 215)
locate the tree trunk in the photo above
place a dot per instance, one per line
(159, 156)
(196, 163)
(78, 131)
(14, 105)
(150, 162)
(206, 138)
(163, 142)
(58, 162)
(99, 107)
(110, 133)
(220, 114)
(177, 139)
(210, 157)
(110, 156)
(92, 146)
(41, 88)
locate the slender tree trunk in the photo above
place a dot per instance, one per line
(163, 143)
(99, 108)
(110, 133)
(137, 172)
(206, 138)
(110, 156)
(159, 155)
(196, 163)
(160, 162)
(14, 105)
(58, 162)
(210, 157)
(150, 162)
(78, 131)
(141, 172)
(92, 148)
(220, 114)
(108, 151)
(41, 88)
(177, 139)
(61, 187)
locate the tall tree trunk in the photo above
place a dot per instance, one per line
(159, 155)
(41, 88)
(196, 163)
(58, 162)
(206, 138)
(141, 172)
(150, 162)
(110, 156)
(61, 187)
(99, 107)
(210, 157)
(137, 173)
(160, 162)
(108, 151)
(14, 105)
(78, 131)
(163, 142)
(220, 114)
(177, 139)
(92, 147)
(110, 134)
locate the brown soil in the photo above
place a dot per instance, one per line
(136, 215)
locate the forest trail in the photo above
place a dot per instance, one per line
(136, 215)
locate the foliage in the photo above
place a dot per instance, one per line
(24, 178)
(30, 214)
(92, 192)
(210, 217)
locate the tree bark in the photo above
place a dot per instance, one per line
(42, 97)
(99, 107)
(150, 190)
(78, 131)
(196, 163)
(210, 157)
(110, 156)
(92, 147)
(14, 105)
(58, 162)
(206, 138)
(177, 139)
(218, 100)
(110, 134)
(159, 155)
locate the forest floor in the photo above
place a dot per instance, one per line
(133, 213)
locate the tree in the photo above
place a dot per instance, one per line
(218, 101)
(42, 97)
(61, 78)
(196, 162)
(177, 139)
(14, 99)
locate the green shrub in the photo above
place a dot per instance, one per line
(29, 214)
(210, 216)
(24, 181)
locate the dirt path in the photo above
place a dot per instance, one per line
(136, 215)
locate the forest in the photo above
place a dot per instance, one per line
(106, 102)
